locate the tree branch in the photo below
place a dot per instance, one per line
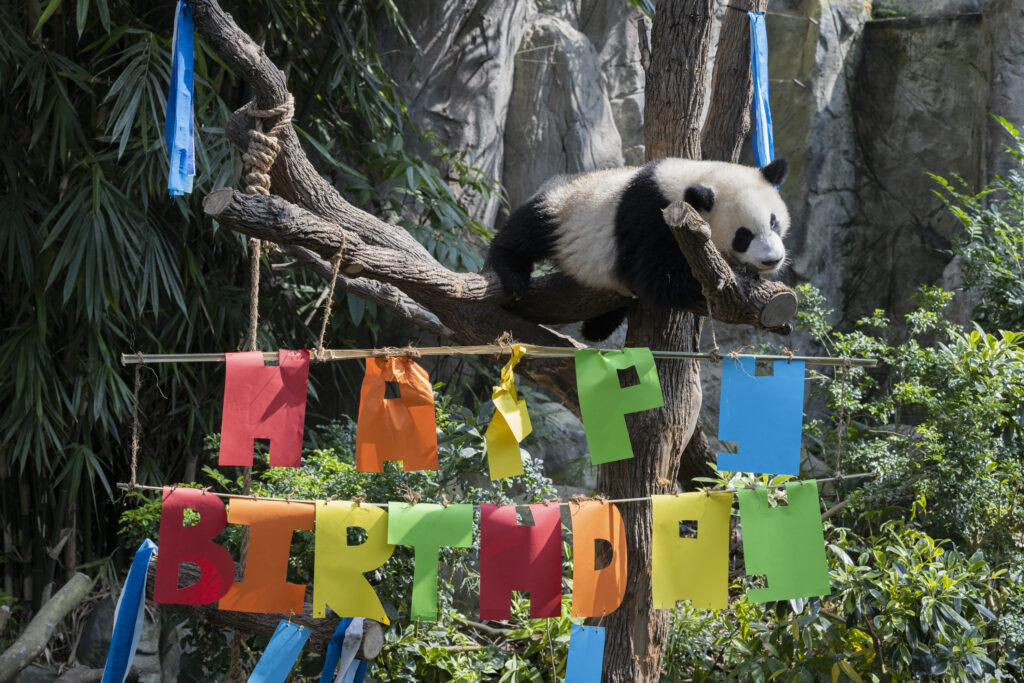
(551, 299)
(384, 295)
(37, 634)
(735, 296)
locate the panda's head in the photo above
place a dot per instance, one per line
(742, 206)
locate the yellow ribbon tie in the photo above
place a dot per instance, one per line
(510, 424)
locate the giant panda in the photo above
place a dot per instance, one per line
(605, 229)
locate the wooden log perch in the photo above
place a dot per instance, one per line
(552, 299)
(736, 296)
(264, 624)
(37, 634)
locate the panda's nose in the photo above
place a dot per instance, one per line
(771, 264)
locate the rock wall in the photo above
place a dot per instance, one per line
(863, 108)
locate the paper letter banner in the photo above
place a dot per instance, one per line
(586, 654)
(281, 653)
(695, 569)
(786, 543)
(604, 402)
(264, 587)
(520, 558)
(597, 592)
(180, 543)
(428, 528)
(179, 126)
(402, 428)
(509, 426)
(128, 617)
(338, 567)
(763, 415)
(264, 402)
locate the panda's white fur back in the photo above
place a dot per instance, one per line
(585, 207)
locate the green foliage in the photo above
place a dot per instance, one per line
(992, 249)
(903, 606)
(941, 418)
(96, 260)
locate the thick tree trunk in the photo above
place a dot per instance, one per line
(675, 96)
(732, 88)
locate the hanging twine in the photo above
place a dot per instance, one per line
(715, 353)
(135, 425)
(841, 371)
(258, 159)
(318, 352)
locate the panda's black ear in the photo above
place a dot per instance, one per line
(775, 172)
(700, 197)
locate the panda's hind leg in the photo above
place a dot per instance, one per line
(601, 327)
(527, 237)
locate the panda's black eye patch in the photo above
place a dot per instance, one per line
(742, 239)
(775, 225)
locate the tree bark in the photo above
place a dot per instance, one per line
(37, 634)
(675, 96)
(674, 88)
(732, 88)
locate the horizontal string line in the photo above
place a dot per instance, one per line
(845, 477)
(484, 349)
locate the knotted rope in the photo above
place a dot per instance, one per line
(258, 159)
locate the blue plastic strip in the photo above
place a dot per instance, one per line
(586, 654)
(360, 672)
(281, 654)
(178, 126)
(763, 415)
(128, 617)
(334, 651)
(764, 140)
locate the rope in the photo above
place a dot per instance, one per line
(841, 371)
(361, 500)
(715, 353)
(258, 159)
(135, 425)
(254, 292)
(318, 352)
(264, 147)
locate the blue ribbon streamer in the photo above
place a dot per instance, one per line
(282, 651)
(586, 654)
(178, 126)
(128, 617)
(334, 651)
(763, 139)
